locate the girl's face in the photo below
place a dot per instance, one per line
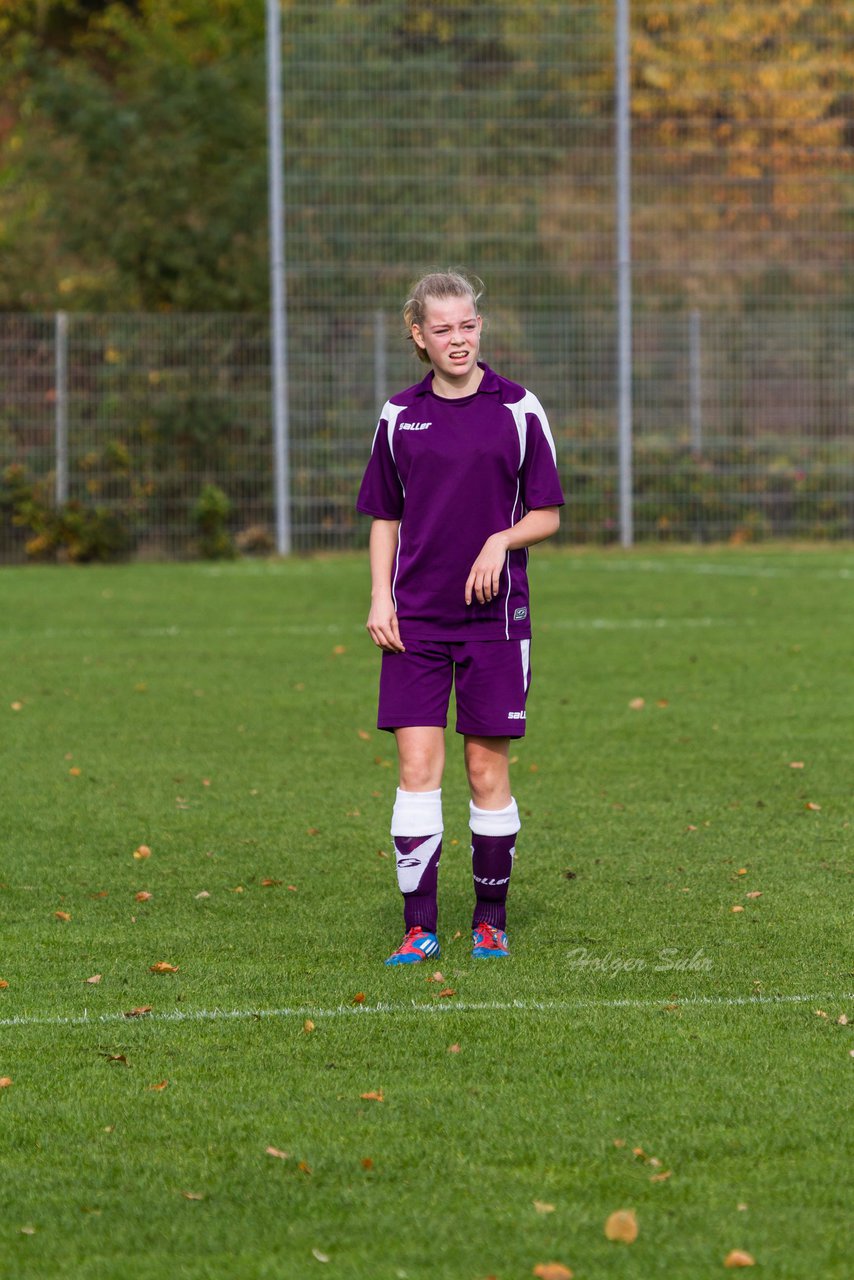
(451, 336)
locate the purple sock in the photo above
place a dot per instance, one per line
(492, 863)
(417, 860)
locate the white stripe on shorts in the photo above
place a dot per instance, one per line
(525, 648)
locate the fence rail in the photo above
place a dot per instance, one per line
(139, 424)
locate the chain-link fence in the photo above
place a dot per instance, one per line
(744, 425)
(481, 135)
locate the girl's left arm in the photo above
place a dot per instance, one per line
(536, 526)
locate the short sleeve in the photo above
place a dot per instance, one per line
(381, 492)
(540, 482)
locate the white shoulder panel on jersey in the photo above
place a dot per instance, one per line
(391, 412)
(530, 404)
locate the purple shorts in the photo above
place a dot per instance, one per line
(491, 680)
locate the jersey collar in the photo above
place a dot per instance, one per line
(488, 383)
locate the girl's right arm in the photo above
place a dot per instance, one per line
(382, 619)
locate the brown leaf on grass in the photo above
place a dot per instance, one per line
(819, 1013)
(619, 1142)
(139, 1012)
(435, 977)
(274, 1151)
(163, 966)
(637, 704)
(359, 997)
(103, 893)
(815, 808)
(62, 915)
(639, 1152)
(446, 991)
(94, 980)
(734, 910)
(542, 1207)
(321, 1257)
(308, 1027)
(663, 1176)
(453, 1048)
(238, 888)
(304, 1168)
(4, 986)
(142, 852)
(159, 1087)
(269, 883)
(16, 706)
(367, 1163)
(381, 853)
(373, 1097)
(842, 1020)
(622, 1226)
(338, 649)
(192, 1195)
(75, 771)
(796, 764)
(754, 893)
(292, 888)
(312, 831)
(28, 1231)
(742, 871)
(204, 894)
(364, 735)
(739, 1258)
(143, 896)
(551, 1271)
(116, 1057)
(5, 1082)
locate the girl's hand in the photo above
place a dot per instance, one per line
(482, 582)
(382, 627)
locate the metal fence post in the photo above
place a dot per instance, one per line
(695, 382)
(380, 369)
(278, 303)
(61, 407)
(624, 273)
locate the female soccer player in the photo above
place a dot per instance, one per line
(461, 481)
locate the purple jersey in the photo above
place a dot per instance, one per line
(453, 472)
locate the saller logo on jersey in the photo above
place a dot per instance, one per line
(515, 715)
(415, 426)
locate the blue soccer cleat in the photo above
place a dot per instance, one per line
(488, 941)
(416, 946)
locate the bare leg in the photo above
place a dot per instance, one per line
(488, 769)
(494, 825)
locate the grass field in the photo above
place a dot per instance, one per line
(646, 1047)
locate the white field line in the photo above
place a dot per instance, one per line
(416, 1008)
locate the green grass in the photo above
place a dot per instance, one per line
(224, 717)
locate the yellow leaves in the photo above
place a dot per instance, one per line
(269, 883)
(163, 966)
(736, 908)
(276, 1153)
(320, 1256)
(359, 997)
(739, 1258)
(193, 1195)
(621, 1227)
(453, 1048)
(142, 852)
(62, 915)
(552, 1271)
(754, 893)
(364, 735)
(637, 704)
(542, 1207)
(796, 764)
(446, 993)
(75, 771)
(17, 706)
(6, 1082)
(143, 896)
(375, 1096)
(159, 1087)
(116, 1057)
(307, 1027)
(4, 985)
(94, 980)
(813, 808)
(139, 1012)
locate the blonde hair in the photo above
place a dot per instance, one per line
(437, 284)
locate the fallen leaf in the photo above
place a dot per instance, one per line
(321, 1257)
(842, 1020)
(691, 828)
(458, 934)
(373, 1097)
(796, 764)
(552, 1271)
(206, 782)
(637, 704)
(816, 808)
(5, 1082)
(269, 884)
(192, 1195)
(622, 1226)
(292, 888)
(17, 706)
(338, 649)
(663, 1176)
(62, 915)
(308, 1027)
(819, 1013)
(142, 852)
(204, 894)
(381, 853)
(143, 896)
(738, 1258)
(741, 1207)
(159, 1087)
(75, 771)
(274, 1151)
(4, 984)
(639, 1152)
(102, 894)
(139, 1012)
(754, 893)
(542, 1207)
(364, 735)
(742, 871)
(238, 888)
(736, 908)
(435, 977)
(116, 1057)
(359, 997)
(662, 702)
(28, 1231)
(163, 966)
(94, 980)
(447, 991)
(453, 1048)
(367, 1163)
(312, 831)
(304, 1168)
